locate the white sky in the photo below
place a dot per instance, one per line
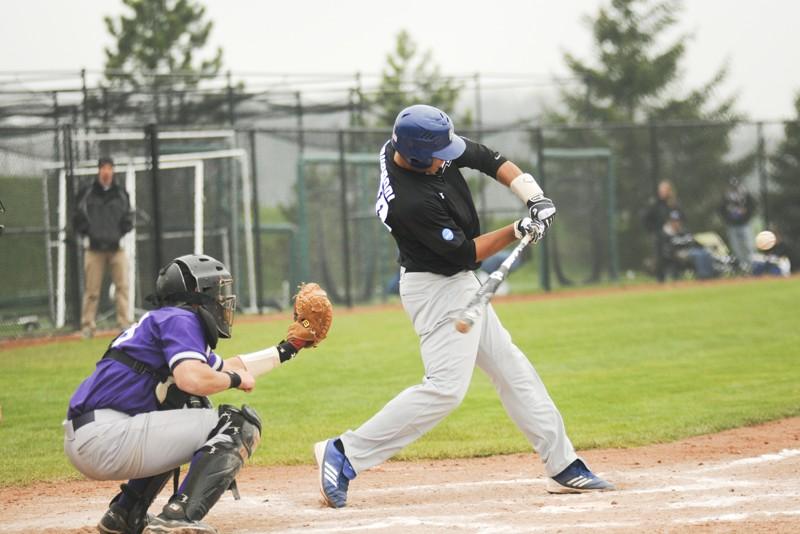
(760, 40)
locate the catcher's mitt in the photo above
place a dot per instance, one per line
(313, 315)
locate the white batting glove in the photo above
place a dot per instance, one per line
(525, 226)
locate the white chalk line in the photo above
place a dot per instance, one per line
(450, 522)
(755, 460)
(738, 516)
(423, 488)
(76, 519)
(733, 500)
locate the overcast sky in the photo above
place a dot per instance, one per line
(760, 40)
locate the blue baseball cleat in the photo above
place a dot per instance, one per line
(577, 478)
(335, 473)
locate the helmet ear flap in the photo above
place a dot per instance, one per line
(172, 280)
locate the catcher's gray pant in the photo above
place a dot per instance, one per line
(117, 446)
(433, 301)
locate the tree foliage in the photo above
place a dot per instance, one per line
(634, 78)
(784, 203)
(411, 77)
(158, 49)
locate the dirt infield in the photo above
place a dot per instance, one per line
(742, 480)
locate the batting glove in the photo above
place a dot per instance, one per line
(525, 226)
(542, 209)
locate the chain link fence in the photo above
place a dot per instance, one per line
(285, 205)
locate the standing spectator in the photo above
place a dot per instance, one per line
(737, 209)
(104, 215)
(658, 214)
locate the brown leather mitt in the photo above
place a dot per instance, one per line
(313, 315)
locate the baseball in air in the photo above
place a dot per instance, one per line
(765, 240)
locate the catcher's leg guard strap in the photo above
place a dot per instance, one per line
(215, 465)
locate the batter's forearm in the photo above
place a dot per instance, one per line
(507, 172)
(491, 243)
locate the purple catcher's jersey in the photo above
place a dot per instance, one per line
(161, 339)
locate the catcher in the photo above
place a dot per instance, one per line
(144, 410)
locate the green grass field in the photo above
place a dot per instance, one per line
(625, 369)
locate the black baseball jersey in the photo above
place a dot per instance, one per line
(433, 218)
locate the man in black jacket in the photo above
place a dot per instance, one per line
(104, 215)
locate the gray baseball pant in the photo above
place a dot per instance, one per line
(432, 301)
(117, 446)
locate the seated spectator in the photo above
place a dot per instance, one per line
(681, 252)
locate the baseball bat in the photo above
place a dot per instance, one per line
(466, 320)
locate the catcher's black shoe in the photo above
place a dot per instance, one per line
(115, 521)
(162, 525)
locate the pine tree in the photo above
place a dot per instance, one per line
(784, 202)
(411, 77)
(156, 52)
(632, 78)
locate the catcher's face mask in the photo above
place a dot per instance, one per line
(222, 306)
(227, 303)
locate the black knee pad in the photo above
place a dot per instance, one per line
(215, 465)
(242, 426)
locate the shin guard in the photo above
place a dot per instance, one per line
(215, 465)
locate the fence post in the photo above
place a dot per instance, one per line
(85, 112)
(655, 178)
(301, 141)
(151, 134)
(256, 218)
(762, 173)
(56, 126)
(544, 269)
(479, 138)
(302, 221)
(73, 252)
(231, 105)
(612, 218)
(348, 293)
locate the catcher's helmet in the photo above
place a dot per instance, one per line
(199, 279)
(422, 133)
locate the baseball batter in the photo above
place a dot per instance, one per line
(424, 201)
(143, 412)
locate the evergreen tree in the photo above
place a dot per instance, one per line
(632, 78)
(411, 77)
(157, 52)
(784, 202)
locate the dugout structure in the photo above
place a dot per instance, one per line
(582, 245)
(191, 192)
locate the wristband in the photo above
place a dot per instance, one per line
(525, 187)
(236, 380)
(286, 350)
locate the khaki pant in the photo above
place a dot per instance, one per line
(94, 267)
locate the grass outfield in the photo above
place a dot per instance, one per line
(625, 369)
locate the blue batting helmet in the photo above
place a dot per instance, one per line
(422, 133)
